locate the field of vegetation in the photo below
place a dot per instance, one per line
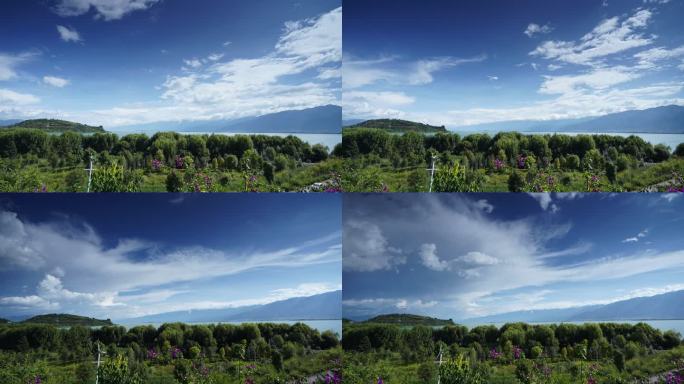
(592, 353)
(173, 353)
(32, 160)
(377, 160)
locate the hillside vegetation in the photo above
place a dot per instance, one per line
(56, 126)
(399, 126)
(409, 320)
(66, 320)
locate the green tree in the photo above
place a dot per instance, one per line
(115, 371)
(516, 182)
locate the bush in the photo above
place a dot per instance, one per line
(460, 371)
(516, 182)
(173, 182)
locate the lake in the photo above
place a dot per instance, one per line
(669, 139)
(327, 139)
(663, 325)
(320, 325)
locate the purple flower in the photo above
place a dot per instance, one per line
(493, 354)
(521, 161)
(380, 380)
(156, 164)
(152, 354)
(517, 353)
(498, 164)
(38, 380)
(179, 162)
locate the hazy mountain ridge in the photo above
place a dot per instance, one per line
(54, 125)
(325, 306)
(667, 119)
(666, 306)
(325, 119)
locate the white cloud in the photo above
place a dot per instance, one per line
(533, 29)
(106, 9)
(656, 1)
(493, 78)
(68, 34)
(368, 103)
(227, 43)
(193, 63)
(545, 201)
(8, 96)
(649, 59)
(79, 253)
(55, 81)
(429, 258)
(484, 205)
(9, 63)
(28, 302)
(366, 248)
(635, 239)
(215, 56)
(596, 79)
(670, 196)
(359, 73)
(611, 36)
(206, 89)
(478, 258)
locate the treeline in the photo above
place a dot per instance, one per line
(578, 152)
(255, 341)
(592, 340)
(136, 151)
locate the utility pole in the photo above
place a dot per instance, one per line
(439, 364)
(90, 175)
(97, 374)
(432, 171)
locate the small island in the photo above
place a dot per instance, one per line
(409, 320)
(56, 126)
(398, 126)
(66, 320)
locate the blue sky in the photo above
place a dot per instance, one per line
(468, 62)
(141, 61)
(116, 256)
(462, 256)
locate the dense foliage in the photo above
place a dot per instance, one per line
(506, 161)
(514, 353)
(174, 352)
(33, 160)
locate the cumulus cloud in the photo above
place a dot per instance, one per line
(105, 9)
(611, 36)
(428, 255)
(55, 81)
(366, 249)
(545, 201)
(68, 34)
(10, 97)
(534, 29)
(10, 62)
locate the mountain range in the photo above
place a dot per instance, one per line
(667, 119)
(325, 306)
(666, 306)
(323, 119)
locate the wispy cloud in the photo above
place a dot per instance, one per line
(104, 9)
(68, 34)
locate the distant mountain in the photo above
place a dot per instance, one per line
(349, 122)
(400, 126)
(409, 320)
(324, 119)
(4, 321)
(4, 123)
(667, 306)
(325, 306)
(667, 119)
(66, 320)
(56, 126)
